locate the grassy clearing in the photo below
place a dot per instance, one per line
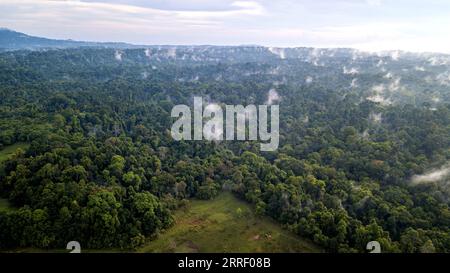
(8, 150)
(225, 224)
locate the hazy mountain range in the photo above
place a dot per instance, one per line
(385, 78)
(13, 40)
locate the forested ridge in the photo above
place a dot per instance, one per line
(103, 169)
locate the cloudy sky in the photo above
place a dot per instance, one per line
(413, 25)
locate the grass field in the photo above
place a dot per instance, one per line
(222, 225)
(8, 150)
(225, 224)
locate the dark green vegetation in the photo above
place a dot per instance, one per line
(225, 224)
(7, 151)
(5, 205)
(102, 168)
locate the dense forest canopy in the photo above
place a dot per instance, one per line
(364, 144)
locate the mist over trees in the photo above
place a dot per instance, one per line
(103, 169)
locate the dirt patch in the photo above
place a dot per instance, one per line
(192, 246)
(197, 222)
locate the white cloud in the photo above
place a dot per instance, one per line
(436, 99)
(373, 2)
(378, 95)
(172, 53)
(344, 23)
(395, 55)
(378, 88)
(148, 53)
(395, 84)
(377, 98)
(272, 96)
(119, 22)
(118, 55)
(443, 78)
(351, 71)
(376, 117)
(245, 8)
(278, 51)
(431, 176)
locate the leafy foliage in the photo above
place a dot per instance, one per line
(102, 168)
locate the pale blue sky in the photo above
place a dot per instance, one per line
(413, 25)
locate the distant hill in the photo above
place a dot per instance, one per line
(13, 40)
